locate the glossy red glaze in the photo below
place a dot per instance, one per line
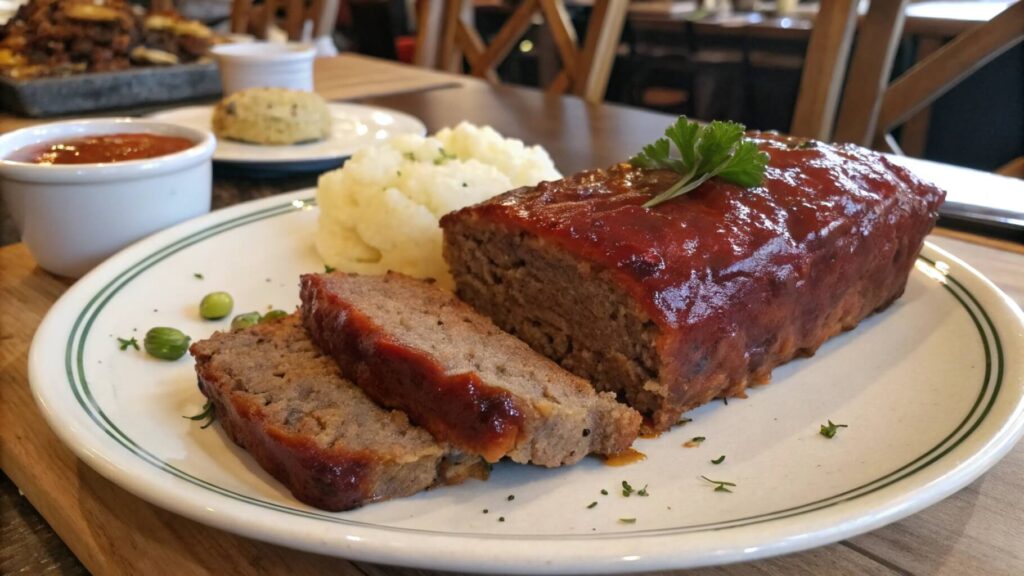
(331, 479)
(691, 256)
(456, 408)
(102, 149)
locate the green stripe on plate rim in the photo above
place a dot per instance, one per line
(990, 388)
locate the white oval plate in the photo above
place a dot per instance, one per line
(355, 126)
(932, 390)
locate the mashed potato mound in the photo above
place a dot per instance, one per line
(380, 211)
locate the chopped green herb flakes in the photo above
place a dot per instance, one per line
(830, 430)
(209, 414)
(720, 485)
(123, 343)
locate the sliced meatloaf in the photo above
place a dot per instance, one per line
(288, 405)
(702, 295)
(412, 346)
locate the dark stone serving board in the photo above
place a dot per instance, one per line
(103, 90)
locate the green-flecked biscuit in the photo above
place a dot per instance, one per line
(272, 116)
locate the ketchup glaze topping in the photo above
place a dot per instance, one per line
(692, 256)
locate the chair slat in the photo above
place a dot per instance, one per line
(561, 28)
(449, 58)
(946, 67)
(429, 20)
(295, 18)
(824, 69)
(514, 28)
(870, 67)
(584, 70)
(595, 62)
(240, 10)
(473, 48)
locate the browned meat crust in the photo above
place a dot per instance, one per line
(415, 347)
(703, 295)
(318, 434)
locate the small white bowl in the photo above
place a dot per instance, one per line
(73, 216)
(265, 64)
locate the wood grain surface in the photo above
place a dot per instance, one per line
(349, 76)
(979, 530)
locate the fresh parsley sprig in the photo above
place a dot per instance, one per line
(704, 152)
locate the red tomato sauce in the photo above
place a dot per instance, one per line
(102, 149)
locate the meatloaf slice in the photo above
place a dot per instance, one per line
(697, 297)
(413, 346)
(287, 404)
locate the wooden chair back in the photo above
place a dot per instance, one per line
(447, 36)
(871, 107)
(255, 19)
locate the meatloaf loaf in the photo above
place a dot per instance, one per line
(287, 404)
(702, 295)
(413, 346)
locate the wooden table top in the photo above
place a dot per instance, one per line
(978, 530)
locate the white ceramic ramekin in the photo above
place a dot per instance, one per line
(73, 216)
(265, 64)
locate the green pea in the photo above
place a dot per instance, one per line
(216, 305)
(273, 315)
(245, 320)
(166, 343)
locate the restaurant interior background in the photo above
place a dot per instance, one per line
(738, 60)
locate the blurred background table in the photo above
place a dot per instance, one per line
(745, 65)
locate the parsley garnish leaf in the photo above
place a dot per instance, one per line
(704, 151)
(746, 167)
(830, 430)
